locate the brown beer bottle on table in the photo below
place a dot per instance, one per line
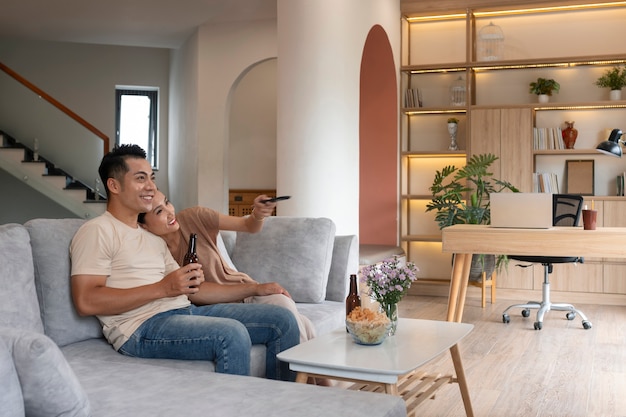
(353, 300)
(191, 256)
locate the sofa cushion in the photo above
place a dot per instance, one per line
(11, 392)
(48, 384)
(18, 297)
(345, 262)
(50, 239)
(296, 252)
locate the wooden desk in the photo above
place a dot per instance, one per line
(465, 240)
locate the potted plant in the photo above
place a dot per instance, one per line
(615, 79)
(543, 88)
(461, 196)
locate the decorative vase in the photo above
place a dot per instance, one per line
(391, 311)
(569, 135)
(452, 129)
(615, 95)
(543, 98)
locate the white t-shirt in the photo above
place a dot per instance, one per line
(129, 257)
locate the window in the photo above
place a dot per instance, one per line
(136, 119)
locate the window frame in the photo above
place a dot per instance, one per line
(153, 95)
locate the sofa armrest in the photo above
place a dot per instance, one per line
(345, 262)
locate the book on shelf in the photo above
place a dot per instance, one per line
(621, 179)
(413, 98)
(548, 138)
(545, 182)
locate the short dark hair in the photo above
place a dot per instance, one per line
(113, 164)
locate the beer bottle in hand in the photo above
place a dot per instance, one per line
(191, 256)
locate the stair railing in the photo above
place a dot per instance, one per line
(58, 105)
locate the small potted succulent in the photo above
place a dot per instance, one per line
(543, 88)
(615, 79)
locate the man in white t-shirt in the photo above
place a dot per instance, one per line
(127, 277)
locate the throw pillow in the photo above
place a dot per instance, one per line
(49, 386)
(50, 239)
(19, 307)
(295, 252)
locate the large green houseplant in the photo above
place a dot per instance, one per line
(461, 196)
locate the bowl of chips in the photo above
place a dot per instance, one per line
(367, 327)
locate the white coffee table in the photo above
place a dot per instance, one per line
(416, 342)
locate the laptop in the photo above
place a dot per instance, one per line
(521, 210)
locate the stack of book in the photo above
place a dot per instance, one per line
(547, 138)
(413, 98)
(545, 182)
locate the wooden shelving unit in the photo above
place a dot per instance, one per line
(569, 44)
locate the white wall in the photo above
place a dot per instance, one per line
(182, 151)
(252, 125)
(83, 77)
(320, 51)
(318, 96)
(224, 53)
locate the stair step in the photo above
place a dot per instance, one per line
(44, 177)
(14, 154)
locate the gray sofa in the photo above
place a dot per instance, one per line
(55, 363)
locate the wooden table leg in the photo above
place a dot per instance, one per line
(458, 286)
(392, 389)
(302, 377)
(460, 376)
(460, 304)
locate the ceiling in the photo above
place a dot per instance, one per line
(151, 23)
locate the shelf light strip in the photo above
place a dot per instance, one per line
(414, 112)
(550, 65)
(455, 16)
(434, 71)
(583, 107)
(436, 17)
(550, 9)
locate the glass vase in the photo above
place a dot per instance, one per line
(391, 311)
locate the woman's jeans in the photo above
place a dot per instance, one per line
(222, 333)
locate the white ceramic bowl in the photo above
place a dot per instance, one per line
(368, 333)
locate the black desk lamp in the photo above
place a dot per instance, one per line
(611, 146)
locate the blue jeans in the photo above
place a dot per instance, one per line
(222, 333)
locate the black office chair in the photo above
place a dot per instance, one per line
(566, 210)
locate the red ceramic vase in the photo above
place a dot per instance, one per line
(569, 135)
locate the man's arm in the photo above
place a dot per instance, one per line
(213, 293)
(92, 297)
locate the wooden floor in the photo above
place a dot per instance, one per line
(514, 370)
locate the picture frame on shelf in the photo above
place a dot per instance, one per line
(580, 176)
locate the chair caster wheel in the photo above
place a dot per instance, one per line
(506, 318)
(586, 324)
(538, 325)
(526, 312)
(571, 315)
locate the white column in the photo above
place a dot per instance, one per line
(320, 44)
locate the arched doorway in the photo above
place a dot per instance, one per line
(378, 140)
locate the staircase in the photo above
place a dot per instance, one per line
(41, 175)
